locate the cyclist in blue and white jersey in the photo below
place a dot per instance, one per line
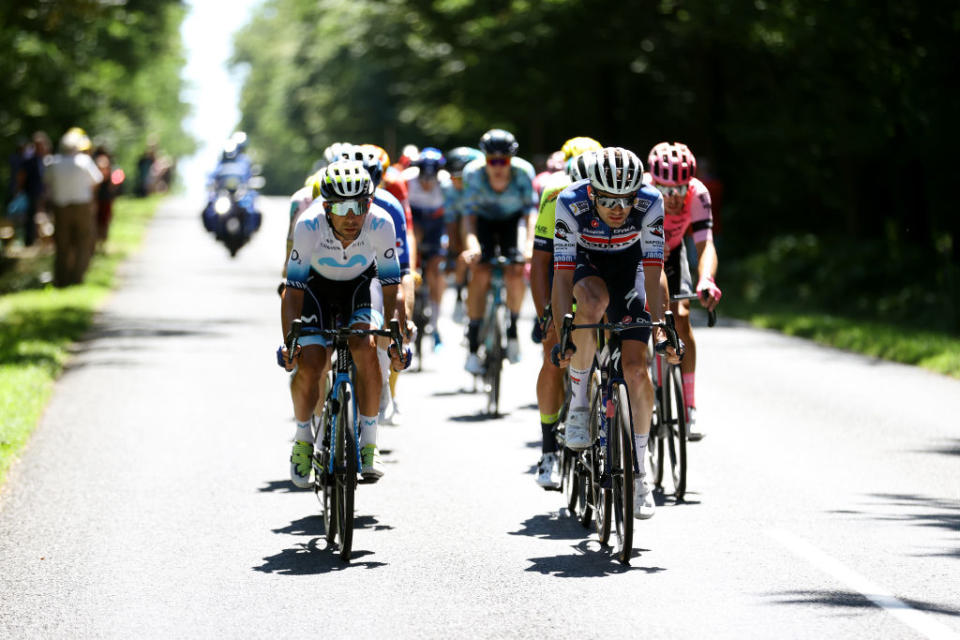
(498, 195)
(608, 253)
(344, 260)
(426, 182)
(457, 160)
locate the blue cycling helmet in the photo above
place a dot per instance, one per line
(430, 161)
(498, 141)
(460, 157)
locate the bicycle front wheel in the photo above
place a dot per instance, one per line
(676, 422)
(345, 473)
(620, 447)
(494, 364)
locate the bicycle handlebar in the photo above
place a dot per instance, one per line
(711, 314)
(667, 324)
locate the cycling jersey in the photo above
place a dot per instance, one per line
(543, 238)
(427, 208)
(481, 200)
(696, 213)
(394, 183)
(579, 231)
(317, 250)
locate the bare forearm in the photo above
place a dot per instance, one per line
(290, 308)
(540, 266)
(562, 296)
(389, 301)
(707, 262)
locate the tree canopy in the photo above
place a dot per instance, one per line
(112, 68)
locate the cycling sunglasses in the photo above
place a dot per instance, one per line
(343, 207)
(668, 191)
(498, 161)
(608, 202)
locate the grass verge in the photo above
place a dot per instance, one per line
(38, 325)
(932, 350)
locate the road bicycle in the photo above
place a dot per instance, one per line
(493, 331)
(336, 453)
(604, 472)
(668, 428)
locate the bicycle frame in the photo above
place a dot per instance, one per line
(342, 377)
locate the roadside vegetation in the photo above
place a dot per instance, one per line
(38, 323)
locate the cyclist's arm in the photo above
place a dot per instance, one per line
(706, 259)
(541, 263)
(565, 235)
(297, 271)
(388, 263)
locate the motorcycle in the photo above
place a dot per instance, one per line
(230, 214)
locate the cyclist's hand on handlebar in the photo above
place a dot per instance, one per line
(662, 346)
(399, 361)
(471, 256)
(565, 360)
(284, 359)
(709, 293)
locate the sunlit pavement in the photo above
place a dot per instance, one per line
(154, 500)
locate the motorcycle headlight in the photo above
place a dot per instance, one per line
(222, 205)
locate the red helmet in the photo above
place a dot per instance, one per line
(672, 164)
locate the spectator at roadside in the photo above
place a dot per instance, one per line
(106, 193)
(15, 160)
(144, 184)
(71, 179)
(31, 182)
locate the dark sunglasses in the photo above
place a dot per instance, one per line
(607, 202)
(498, 161)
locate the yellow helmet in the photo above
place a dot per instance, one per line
(581, 144)
(313, 178)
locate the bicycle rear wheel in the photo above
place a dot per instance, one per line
(345, 474)
(676, 429)
(603, 497)
(620, 445)
(322, 480)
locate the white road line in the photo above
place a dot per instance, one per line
(879, 596)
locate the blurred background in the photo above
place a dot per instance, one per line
(826, 129)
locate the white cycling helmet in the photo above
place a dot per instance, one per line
(577, 167)
(615, 170)
(336, 151)
(343, 180)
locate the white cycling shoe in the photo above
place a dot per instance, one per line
(694, 434)
(548, 475)
(577, 429)
(474, 365)
(643, 505)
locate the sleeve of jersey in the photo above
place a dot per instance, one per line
(564, 237)
(652, 235)
(400, 229)
(701, 216)
(543, 238)
(298, 264)
(470, 202)
(385, 244)
(449, 204)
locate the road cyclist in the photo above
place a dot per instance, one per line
(608, 254)
(687, 206)
(343, 268)
(550, 380)
(498, 196)
(457, 159)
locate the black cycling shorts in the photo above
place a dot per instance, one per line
(499, 233)
(619, 273)
(328, 304)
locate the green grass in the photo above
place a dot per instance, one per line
(932, 350)
(38, 325)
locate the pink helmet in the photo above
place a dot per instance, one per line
(672, 164)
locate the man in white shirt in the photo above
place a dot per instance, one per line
(71, 180)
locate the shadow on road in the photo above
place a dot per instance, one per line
(477, 417)
(314, 558)
(589, 561)
(281, 486)
(950, 447)
(554, 526)
(851, 600)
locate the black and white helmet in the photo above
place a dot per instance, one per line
(345, 179)
(336, 151)
(577, 167)
(615, 170)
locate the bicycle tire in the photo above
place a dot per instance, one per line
(569, 478)
(676, 430)
(603, 497)
(322, 486)
(586, 497)
(494, 365)
(345, 473)
(620, 443)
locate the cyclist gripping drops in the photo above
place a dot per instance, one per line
(344, 258)
(608, 253)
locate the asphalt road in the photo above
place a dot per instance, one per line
(153, 500)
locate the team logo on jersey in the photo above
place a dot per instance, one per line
(295, 256)
(642, 204)
(626, 319)
(313, 224)
(377, 223)
(705, 200)
(389, 253)
(561, 230)
(581, 206)
(594, 223)
(656, 227)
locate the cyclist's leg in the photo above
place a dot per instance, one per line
(477, 290)
(682, 282)
(367, 301)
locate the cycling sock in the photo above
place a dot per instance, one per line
(368, 430)
(578, 385)
(304, 431)
(640, 442)
(459, 293)
(547, 423)
(512, 328)
(473, 335)
(688, 396)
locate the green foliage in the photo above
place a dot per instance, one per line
(37, 326)
(111, 67)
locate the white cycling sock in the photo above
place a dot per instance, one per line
(304, 432)
(640, 443)
(368, 430)
(579, 381)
